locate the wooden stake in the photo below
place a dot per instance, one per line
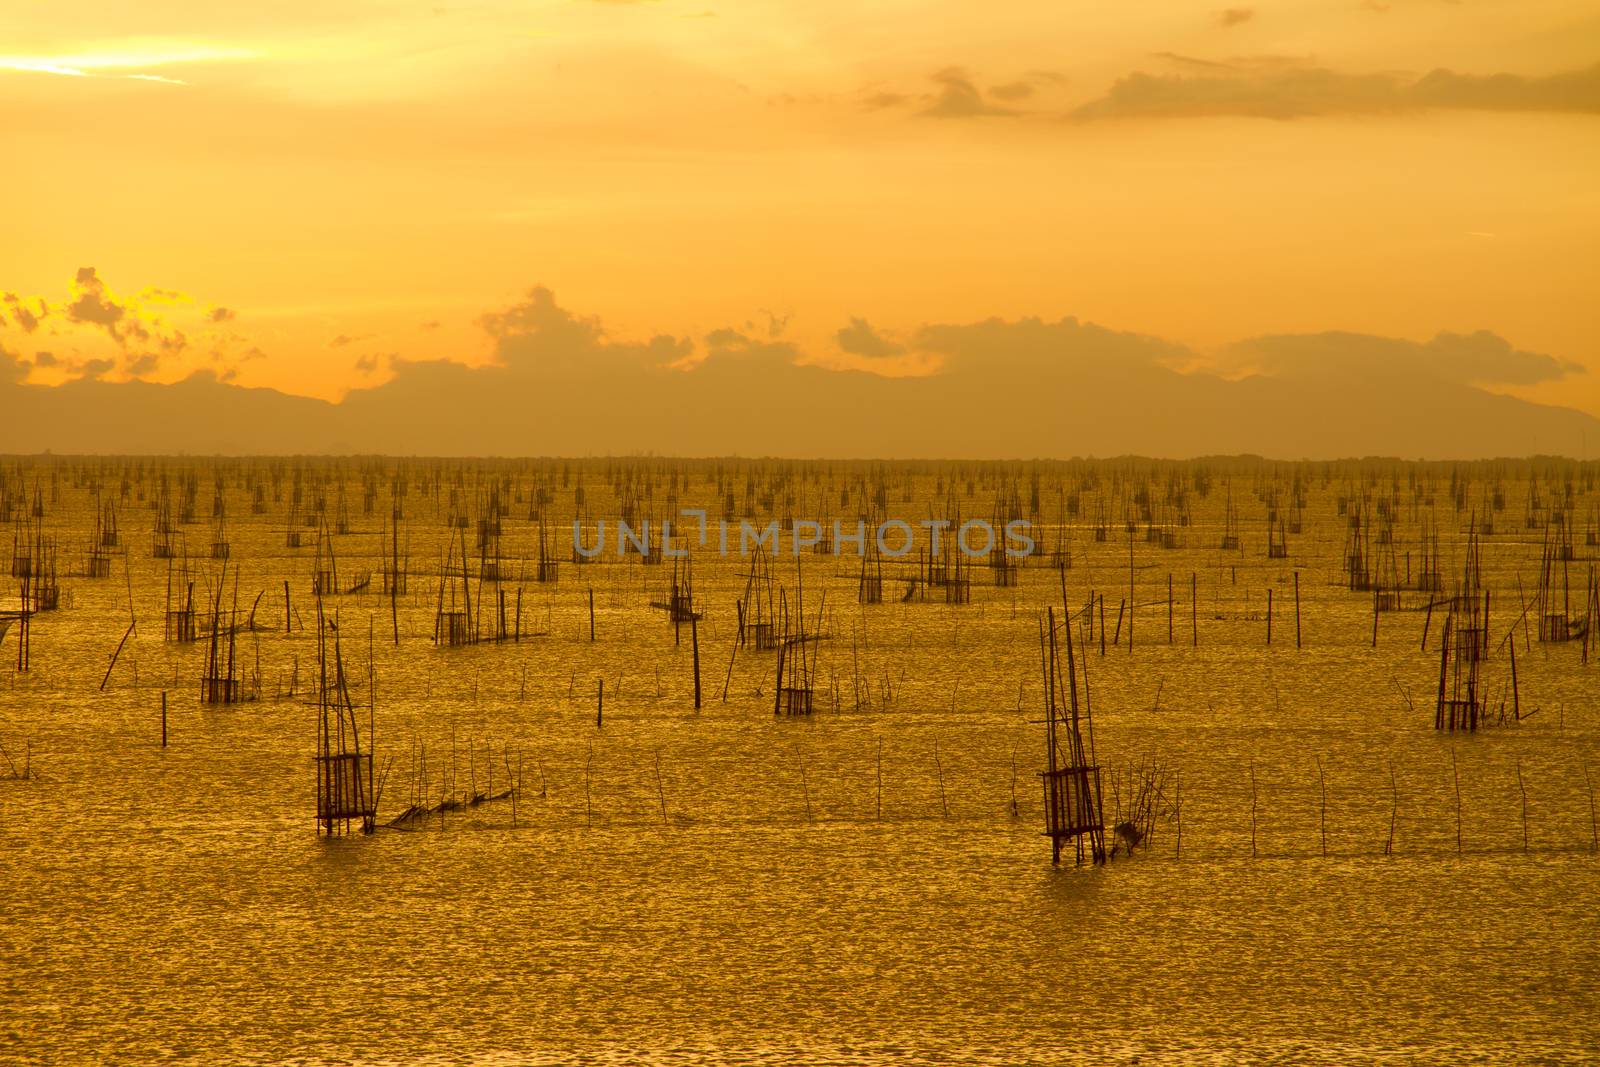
(1102, 624)
(694, 639)
(1296, 609)
(1524, 791)
(1394, 810)
(588, 805)
(1594, 825)
(114, 656)
(660, 792)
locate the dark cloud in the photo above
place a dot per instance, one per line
(348, 339)
(221, 315)
(776, 324)
(23, 315)
(1017, 90)
(539, 336)
(367, 364)
(1573, 91)
(92, 305)
(882, 100)
(1279, 91)
(958, 98)
(1450, 358)
(860, 339)
(139, 366)
(1233, 16)
(96, 369)
(45, 359)
(1033, 347)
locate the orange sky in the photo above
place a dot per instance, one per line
(353, 181)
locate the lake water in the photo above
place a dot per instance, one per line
(866, 885)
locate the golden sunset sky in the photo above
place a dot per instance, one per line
(306, 190)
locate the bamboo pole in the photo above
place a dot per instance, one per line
(1594, 824)
(1523, 789)
(1375, 617)
(661, 792)
(694, 639)
(1394, 810)
(114, 655)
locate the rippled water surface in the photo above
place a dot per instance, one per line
(859, 887)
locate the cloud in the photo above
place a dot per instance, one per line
(93, 305)
(860, 339)
(140, 365)
(959, 95)
(138, 335)
(880, 101)
(135, 65)
(348, 339)
(1480, 358)
(959, 98)
(1575, 91)
(775, 325)
(1233, 16)
(23, 316)
(1280, 91)
(96, 369)
(1017, 90)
